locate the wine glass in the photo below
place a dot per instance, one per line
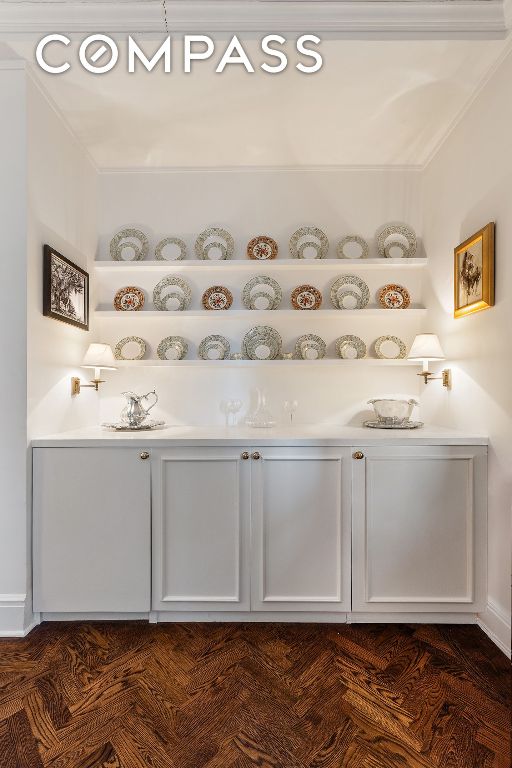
(290, 407)
(232, 408)
(225, 406)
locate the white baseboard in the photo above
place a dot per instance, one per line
(496, 625)
(281, 617)
(36, 619)
(94, 616)
(12, 615)
(411, 618)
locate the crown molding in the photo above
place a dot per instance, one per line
(260, 169)
(350, 19)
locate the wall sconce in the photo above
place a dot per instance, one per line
(426, 347)
(98, 356)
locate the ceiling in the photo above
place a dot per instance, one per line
(373, 103)
(378, 100)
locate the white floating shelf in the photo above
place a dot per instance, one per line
(326, 362)
(260, 315)
(252, 264)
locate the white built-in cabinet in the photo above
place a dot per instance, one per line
(92, 530)
(251, 529)
(300, 510)
(201, 529)
(368, 529)
(419, 529)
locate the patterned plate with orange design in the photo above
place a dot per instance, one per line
(262, 247)
(129, 299)
(394, 297)
(217, 297)
(306, 297)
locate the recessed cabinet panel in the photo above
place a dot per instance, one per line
(200, 507)
(91, 530)
(418, 529)
(300, 508)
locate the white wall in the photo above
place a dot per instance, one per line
(47, 194)
(466, 185)
(249, 203)
(62, 213)
(13, 335)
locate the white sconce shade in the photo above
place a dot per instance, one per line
(426, 346)
(99, 356)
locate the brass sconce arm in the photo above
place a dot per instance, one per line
(77, 386)
(446, 377)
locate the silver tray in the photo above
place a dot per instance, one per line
(405, 425)
(120, 426)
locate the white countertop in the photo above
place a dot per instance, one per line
(298, 435)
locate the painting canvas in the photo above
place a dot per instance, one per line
(65, 289)
(474, 273)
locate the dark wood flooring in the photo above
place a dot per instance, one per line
(133, 695)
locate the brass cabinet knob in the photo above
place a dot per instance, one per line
(244, 455)
(144, 455)
(256, 455)
(358, 455)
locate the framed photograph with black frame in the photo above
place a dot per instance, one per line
(474, 273)
(65, 290)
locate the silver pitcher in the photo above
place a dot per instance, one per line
(134, 413)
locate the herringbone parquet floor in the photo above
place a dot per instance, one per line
(133, 695)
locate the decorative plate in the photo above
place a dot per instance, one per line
(350, 347)
(360, 241)
(129, 299)
(120, 426)
(404, 425)
(261, 285)
(309, 237)
(390, 348)
(217, 238)
(132, 239)
(261, 300)
(181, 244)
(175, 301)
(351, 281)
(119, 353)
(214, 347)
(172, 348)
(397, 236)
(262, 247)
(181, 297)
(310, 347)
(394, 297)
(262, 343)
(349, 300)
(306, 297)
(217, 297)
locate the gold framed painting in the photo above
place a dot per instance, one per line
(474, 273)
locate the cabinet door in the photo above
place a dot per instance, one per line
(91, 530)
(301, 529)
(200, 529)
(419, 529)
